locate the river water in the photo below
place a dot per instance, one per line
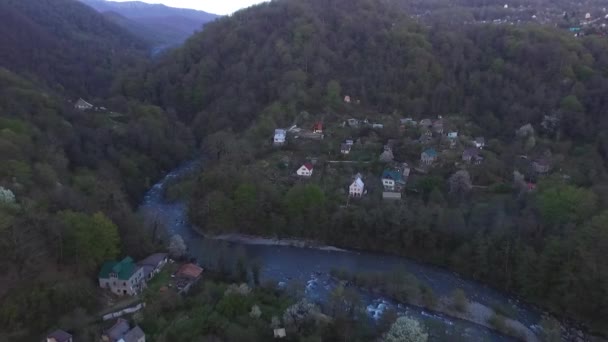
(284, 264)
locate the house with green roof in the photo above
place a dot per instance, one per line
(392, 180)
(122, 277)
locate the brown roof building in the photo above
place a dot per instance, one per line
(189, 271)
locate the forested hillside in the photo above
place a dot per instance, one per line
(68, 185)
(70, 179)
(65, 44)
(227, 75)
(288, 62)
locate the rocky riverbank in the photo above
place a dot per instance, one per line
(257, 240)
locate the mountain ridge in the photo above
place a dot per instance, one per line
(81, 54)
(157, 23)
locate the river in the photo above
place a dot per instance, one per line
(311, 266)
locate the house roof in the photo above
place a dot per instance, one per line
(308, 166)
(345, 147)
(391, 195)
(394, 175)
(480, 140)
(82, 102)
(59, 336)
(153, 259)
(118, 330)
(134, 335)
(279, 131)
(358, 182)
(318, 126)
(124, 268)
(470, 152)
(431, 152)
(189, 271)
(279, 333)
(147, 270)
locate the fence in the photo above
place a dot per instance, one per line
(124, 311)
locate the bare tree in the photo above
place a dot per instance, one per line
(460, 183)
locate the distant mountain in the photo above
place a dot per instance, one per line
(155, 23)
(65, 44)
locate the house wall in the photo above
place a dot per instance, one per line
(388, 183)
(427, 159)
(355, 191)
(157, 269)
(124, 287)
(304, 172)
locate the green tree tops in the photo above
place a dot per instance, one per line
(560, 204)
(89, 239)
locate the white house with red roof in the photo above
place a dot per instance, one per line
(305, 170)
(318, 127)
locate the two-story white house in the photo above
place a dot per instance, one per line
(123, 277)
(356, 188)
(279, 136)
(392, 181)
(305, 170)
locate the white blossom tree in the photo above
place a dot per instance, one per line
(406, 329)
(256, 312)
(6, 195)
(386, 157)
(177, 246)
(300, 314)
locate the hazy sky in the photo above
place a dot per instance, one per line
(212, 6)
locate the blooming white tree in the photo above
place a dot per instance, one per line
(406, 329)
(177, 246)
(256, 312)
(242, 290)
(300, 314)
(386, 157)
(6, 195)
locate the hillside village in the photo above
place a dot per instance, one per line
(386, 159)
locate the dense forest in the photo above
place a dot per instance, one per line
(66, 45)
(278, 63)
(70, 180)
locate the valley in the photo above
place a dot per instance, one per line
(440, 167)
